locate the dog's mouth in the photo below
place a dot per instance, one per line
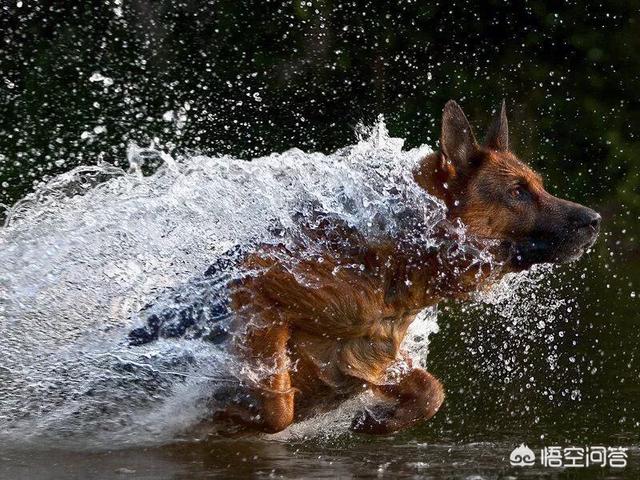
(525, 253)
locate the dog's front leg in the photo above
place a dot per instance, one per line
(415, 398)
(274, 394)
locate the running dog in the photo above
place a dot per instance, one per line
(321, 332)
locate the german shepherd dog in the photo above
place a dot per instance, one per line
(323, 333)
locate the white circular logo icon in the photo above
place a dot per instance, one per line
(522, 456)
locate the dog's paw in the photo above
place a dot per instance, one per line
(373, 420)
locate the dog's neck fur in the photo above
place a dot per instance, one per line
(433, 175)
(438, 178)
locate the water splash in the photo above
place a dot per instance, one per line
(523, 336)
(81, 256)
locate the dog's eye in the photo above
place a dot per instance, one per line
(518, 192)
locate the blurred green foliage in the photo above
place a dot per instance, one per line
(253, 77)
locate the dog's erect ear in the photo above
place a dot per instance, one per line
(457, 141)
(498, 134)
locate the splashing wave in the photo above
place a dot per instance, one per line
(82, 256)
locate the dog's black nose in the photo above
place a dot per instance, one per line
(588, 219)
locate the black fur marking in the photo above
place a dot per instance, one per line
(198, 309)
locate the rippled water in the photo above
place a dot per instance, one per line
(380, 458)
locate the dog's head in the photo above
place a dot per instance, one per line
(499, 197)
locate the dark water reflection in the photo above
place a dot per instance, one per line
(380, 458)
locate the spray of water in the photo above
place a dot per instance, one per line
(82, 256)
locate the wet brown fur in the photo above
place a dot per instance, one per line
(326, 330)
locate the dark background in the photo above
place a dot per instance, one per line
(253, 77)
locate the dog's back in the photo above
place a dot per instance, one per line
(198, 309)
